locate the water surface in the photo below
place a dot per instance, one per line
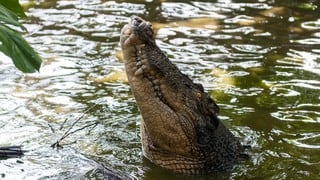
(259, 60)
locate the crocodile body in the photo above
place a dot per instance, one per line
(180, 128)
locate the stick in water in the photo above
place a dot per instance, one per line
(68, 132)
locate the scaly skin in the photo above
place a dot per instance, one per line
(180, 128)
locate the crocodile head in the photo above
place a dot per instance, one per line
(180, 129)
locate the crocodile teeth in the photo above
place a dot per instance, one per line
(145, 67)
(139, 72)
(139, 63)
(144, 59)
(139, 48)
(156, 81)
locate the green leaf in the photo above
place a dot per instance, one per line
(14, 6)
(8, 17)
(14, 45)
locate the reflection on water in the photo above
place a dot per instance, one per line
(259, 61)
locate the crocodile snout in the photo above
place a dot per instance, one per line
(136, 21)
(137, 31)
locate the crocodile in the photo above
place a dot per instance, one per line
(180, 128)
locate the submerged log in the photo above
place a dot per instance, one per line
(11, 151)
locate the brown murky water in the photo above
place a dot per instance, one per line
(260, 61)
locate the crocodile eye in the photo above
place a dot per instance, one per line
(150, 32)
(149, 29)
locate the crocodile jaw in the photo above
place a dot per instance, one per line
(161, 127)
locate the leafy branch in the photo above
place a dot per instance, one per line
(12, 44)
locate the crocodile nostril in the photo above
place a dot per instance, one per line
(136, 20)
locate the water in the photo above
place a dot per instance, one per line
(260, 61)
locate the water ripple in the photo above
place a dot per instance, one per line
(312, 25)
(297, 115)
(307, 61)
(309, 84)
(250, 48)
(184, 10)
(265, 77)
(308, 140)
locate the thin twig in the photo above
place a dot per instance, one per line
(79, 118)
(63, 123)
(52, 129)
(68, 132)
(79, 129)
